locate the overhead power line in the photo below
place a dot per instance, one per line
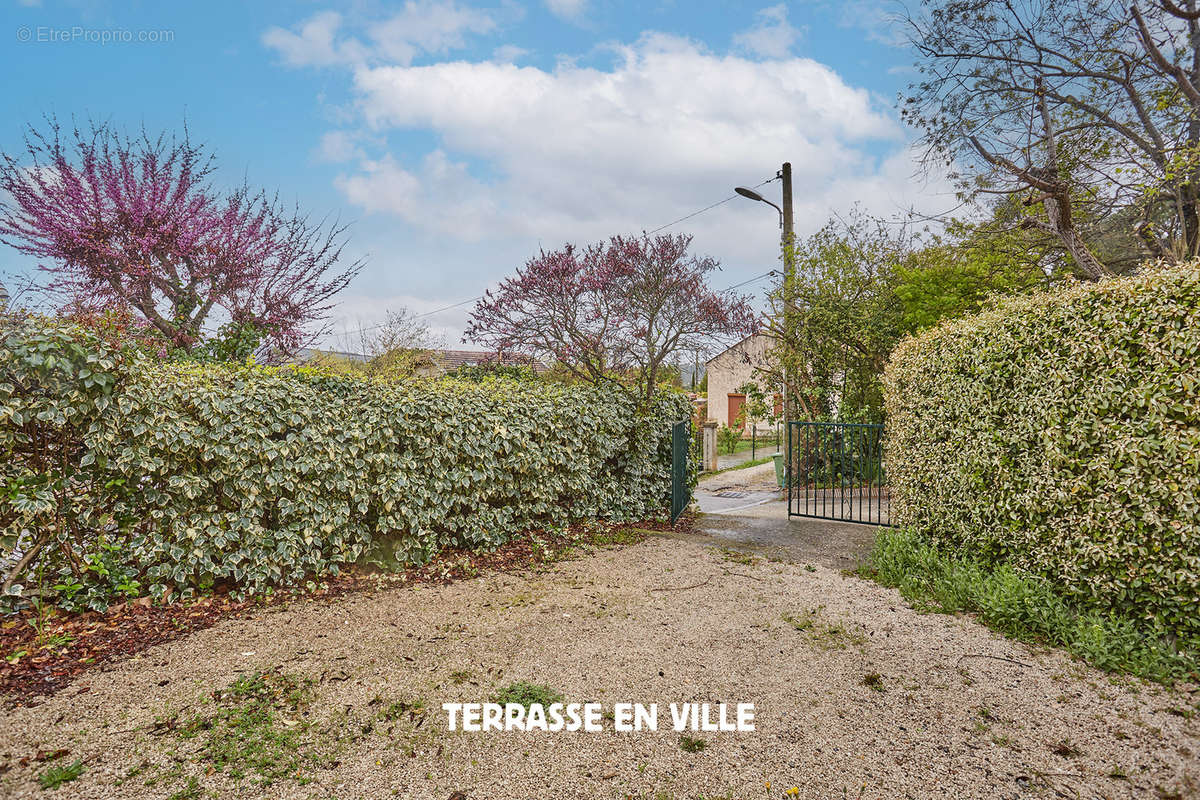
(452, 306)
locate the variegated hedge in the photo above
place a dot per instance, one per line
(134, 476)
(1061, 433)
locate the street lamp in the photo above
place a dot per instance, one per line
(753, 195)
(789, 267)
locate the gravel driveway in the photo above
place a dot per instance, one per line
(856, 695)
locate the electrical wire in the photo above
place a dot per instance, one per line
(647, 233)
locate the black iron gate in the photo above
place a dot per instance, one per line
(680, 494)
(835, 470)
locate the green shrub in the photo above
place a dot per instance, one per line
(1026, 607)
(1060, 434)
(729, 438)
(183, 476)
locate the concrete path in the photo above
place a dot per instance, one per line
(727, 460)
(744, 509)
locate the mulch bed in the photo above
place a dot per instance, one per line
(34, 665)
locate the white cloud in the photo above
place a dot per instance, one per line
(527, 157)
(313, 43)
(339, 146)
(421, 26)
(509, 53)
(587, 150)
(570, 10)
(772, 36)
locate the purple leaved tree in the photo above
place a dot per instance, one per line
(618, 309)
(133, 223)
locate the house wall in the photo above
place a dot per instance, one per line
(729, 370)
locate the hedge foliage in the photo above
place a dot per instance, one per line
(1060, 434)
(147, 476)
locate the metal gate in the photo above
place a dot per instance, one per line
(835, 471)
(680, 493)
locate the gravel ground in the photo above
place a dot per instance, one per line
(951, 715)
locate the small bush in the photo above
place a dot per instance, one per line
(1060, 433)
(1026, 607)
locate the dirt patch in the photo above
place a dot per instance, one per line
(855, 695)
(39, 655)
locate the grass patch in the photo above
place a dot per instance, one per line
(59, 774)
(823, 633)
(873, 681)
(758, 462)
(257, 728)
(620, 537)
(736, 556)
(691, 744)
(526, 694)
(1025, 607)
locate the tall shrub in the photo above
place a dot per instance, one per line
(1060, 433)
(251, 476)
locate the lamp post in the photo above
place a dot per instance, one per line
(787, 240)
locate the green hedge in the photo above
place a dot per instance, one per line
(1060, 434)
(147, 476)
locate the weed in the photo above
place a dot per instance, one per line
(526, 694)
(59, 774)
(1026, 607)
(255, 727)
(190, 791)
(401, 708)
(736, 556)
(824, 634)
(619, 537)
(460, 676)
(691, 744)
(57, 641)
(874, 681)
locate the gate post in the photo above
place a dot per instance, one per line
(710, 446)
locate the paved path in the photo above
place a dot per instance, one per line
(745, 509)
(727, 460)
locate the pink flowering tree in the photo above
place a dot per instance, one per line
(132, 223)
(610, 311)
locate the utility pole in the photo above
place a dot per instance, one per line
(789, 280)
(788, 290)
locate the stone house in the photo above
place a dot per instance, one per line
(729, 370)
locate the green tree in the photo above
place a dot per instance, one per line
(848, 318)
(955, 273)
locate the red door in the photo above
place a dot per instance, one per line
(736, 401)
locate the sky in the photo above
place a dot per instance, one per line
(457, 138)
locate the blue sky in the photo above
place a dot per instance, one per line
(458, 137)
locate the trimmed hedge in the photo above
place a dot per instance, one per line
(1060, 434)
(180, 476)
